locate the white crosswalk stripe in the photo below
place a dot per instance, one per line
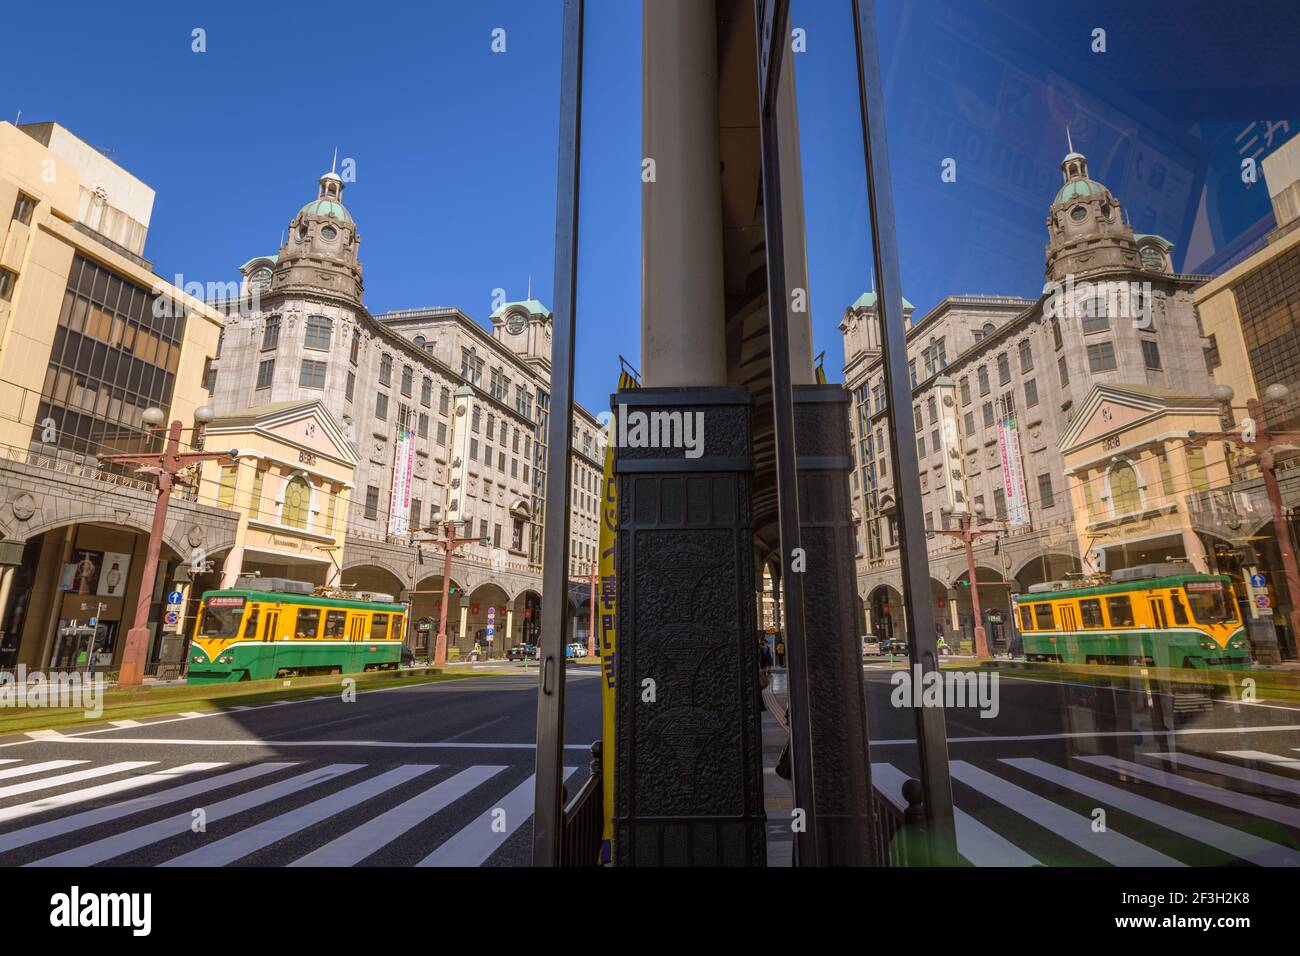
(241, 844)
(30, 769)
(103, 790)
(76, 776)
(1289, 816)
(1257, 777)
(1228, 839)
(1260, 757)
(122, 843)
(1113, 847)
(355, 845)
(484, 835)
(976, 842)
(89, 818)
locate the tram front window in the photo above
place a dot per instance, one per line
(221, 622)
(1209, 603)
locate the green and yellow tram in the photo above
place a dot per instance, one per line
(1151, 618)
(247, 634)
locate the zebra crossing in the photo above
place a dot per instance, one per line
(151, 809)
(1161, 811)
(1161, 808)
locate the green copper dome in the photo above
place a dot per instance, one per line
(327, 208)
(1079, 188)
(868, 301)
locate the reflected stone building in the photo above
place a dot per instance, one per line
(999, 385)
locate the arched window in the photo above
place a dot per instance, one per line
(297, 499)
(1125, 495)
(419, 341)
(319, 332)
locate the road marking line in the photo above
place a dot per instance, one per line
(1230, 840)
(258, 742)
(1097, 735)
(1262, 757)
(1115, 848)
(32, 768)
(979, 844)
(478, 840)
(77, 775)
(357, 844)
(1240, 802)
(122, 843)
(259, 836)
(125, 723)
(62, 825)
(1274, 780)
(474, 730)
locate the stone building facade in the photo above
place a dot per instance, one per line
(448, 420)
(996, 383)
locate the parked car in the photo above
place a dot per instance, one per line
(522, 652)
(894, 645)
(575, 649)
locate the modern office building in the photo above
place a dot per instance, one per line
(90, 338)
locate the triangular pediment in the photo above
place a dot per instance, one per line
(1110, 409)
(305, 425)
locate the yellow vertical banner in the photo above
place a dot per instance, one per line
(608, 625)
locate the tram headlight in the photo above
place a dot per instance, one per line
(1237, 645)
(1208, 645)
(225, 660)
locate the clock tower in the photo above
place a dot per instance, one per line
(525, 328)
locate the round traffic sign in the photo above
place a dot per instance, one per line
(175, 598)
(1262, 600)
(1257, 580)
(171, 617)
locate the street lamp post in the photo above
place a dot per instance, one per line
(448, 544)
(968, 536)
(167, 466)
(592, 579)
(1265, 443)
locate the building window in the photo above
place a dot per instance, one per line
(471, 367)
(1056, 334)
(492, 427)
(372, 502)
(320, 331)
(1197, 472)
(969, 422)
(297, 499)
(476, 420)
(351, 390)
(999, 503)
(408, 380)
(1004, 369)
(271, 332)
(1166, 474)
(1045, 497)
(920, 447)
(473, 449)
(1063, 371)
(426, 392)
(988, 414)
(1094, 314)
(444, 401)
(381, 406)
(965, 391)
(23, 209)
(265, 371)
(442, 433)
(7, 282)
(226, 491)
(1151, 355)
(312, 374)
(1026, 356)
(932, 408)
(356, 346)
(255, 495)
(983, 375)
(385, 369)
(1125, 497)
(422, 427)
(1101, 356)
(1212, 360)
(416, 507)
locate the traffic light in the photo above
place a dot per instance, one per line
(454, 590)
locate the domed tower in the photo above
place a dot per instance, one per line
(320, 254)
(1086, 232)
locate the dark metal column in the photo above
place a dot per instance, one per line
(931, 733)
(772, 19)
(549, 812)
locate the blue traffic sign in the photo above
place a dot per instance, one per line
(94, 622)
(171, 617)
(176, 598)
(1257, 580)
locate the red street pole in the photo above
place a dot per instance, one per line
(171, 461)
(981, 638)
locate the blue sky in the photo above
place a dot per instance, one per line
(455, 146)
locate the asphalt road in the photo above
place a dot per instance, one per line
(436, 774)
(442, 774)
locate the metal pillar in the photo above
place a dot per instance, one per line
(931, 733)
(772, 20)
(548, 816)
